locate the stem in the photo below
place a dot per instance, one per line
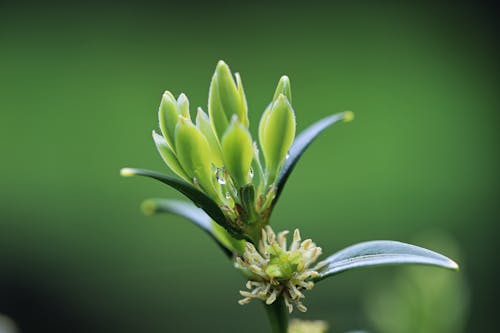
(278, 316)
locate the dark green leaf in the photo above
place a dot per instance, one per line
(302, 141)
(378, 253)
(186, 210)
(198, 197)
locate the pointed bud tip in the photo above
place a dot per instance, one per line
(282, 98)
(221, 63)
(127, 172)
(157, 138)
(285, 79)
(168, 94)
(348, 116)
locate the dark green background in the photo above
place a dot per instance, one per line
(79, 89)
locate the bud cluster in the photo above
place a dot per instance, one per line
(217, 154)
(276, 271)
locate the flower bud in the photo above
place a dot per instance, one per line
(169, 156)
(183, 106)
(167, 116)
(169, 112)
(283, 88)
(237, 150)
(203, 124)
(276, 134)
(226, 98)
(194, 155)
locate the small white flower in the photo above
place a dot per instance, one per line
(277, 271)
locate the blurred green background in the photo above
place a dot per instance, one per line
(80, 85)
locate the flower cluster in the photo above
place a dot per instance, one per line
(274, 270)
(234, 190)
(216, 152)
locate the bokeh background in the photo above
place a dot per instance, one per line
(80, 85)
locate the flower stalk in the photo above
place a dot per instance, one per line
(277, 315)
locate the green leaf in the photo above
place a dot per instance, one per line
(237, 152)
(302, 141)
(381, 253)
(199, 198)
(276, 134)
(188, 211)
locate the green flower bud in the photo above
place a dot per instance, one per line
(169, 112)
(283, 88)
(203, 124)
(276, 134)
(183, 106)
(194, 155)
(226, 98)
(237, 150)
(169, 156)
(167, 116)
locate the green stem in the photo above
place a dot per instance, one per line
(278, 316)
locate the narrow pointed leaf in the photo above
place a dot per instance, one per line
(199, 198)
(302, 141)
(381, 253)
(188, 211)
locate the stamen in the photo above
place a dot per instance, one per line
(269, 284)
